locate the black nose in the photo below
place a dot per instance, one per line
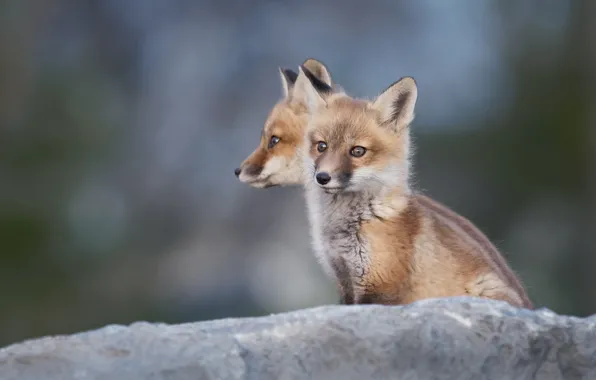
(237, 171)
(323, 178)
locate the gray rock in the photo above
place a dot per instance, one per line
(457, 338)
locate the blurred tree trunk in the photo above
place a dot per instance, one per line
(591, 68)
(589, 13)
(21, 25)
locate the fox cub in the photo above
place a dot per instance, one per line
(382, 243)
(277, 161)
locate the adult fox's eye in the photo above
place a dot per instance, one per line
(358, 151)
(274, 140)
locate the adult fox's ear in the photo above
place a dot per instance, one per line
(288, 78)
(305, 92)
(318, 70)
(396, 104)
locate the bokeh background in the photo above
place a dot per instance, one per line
(121, 123)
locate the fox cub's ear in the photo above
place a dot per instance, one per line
(396, 104)
(305, 92)
(318, 70)
(321, 87)
(288, 78)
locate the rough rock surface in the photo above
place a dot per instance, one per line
(457, 338)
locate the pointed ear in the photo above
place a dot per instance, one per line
(321, 87)
(305, 93)
(288, 78)
(319, 70)
(396, 104)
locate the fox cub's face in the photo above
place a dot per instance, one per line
(276, 161)
(356, 145)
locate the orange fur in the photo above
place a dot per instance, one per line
(401, 247)
(403, 267)
(280, 165)
(284, 122)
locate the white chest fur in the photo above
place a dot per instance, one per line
(335, 221)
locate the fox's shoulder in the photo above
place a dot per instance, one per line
(439, 253)
(396, 223)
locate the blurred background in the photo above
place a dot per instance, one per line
(121, 123)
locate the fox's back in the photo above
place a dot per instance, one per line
(466, 230)
(435, 253)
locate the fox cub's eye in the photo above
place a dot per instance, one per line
(321, 146)
(274, 140)
(358, 151)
